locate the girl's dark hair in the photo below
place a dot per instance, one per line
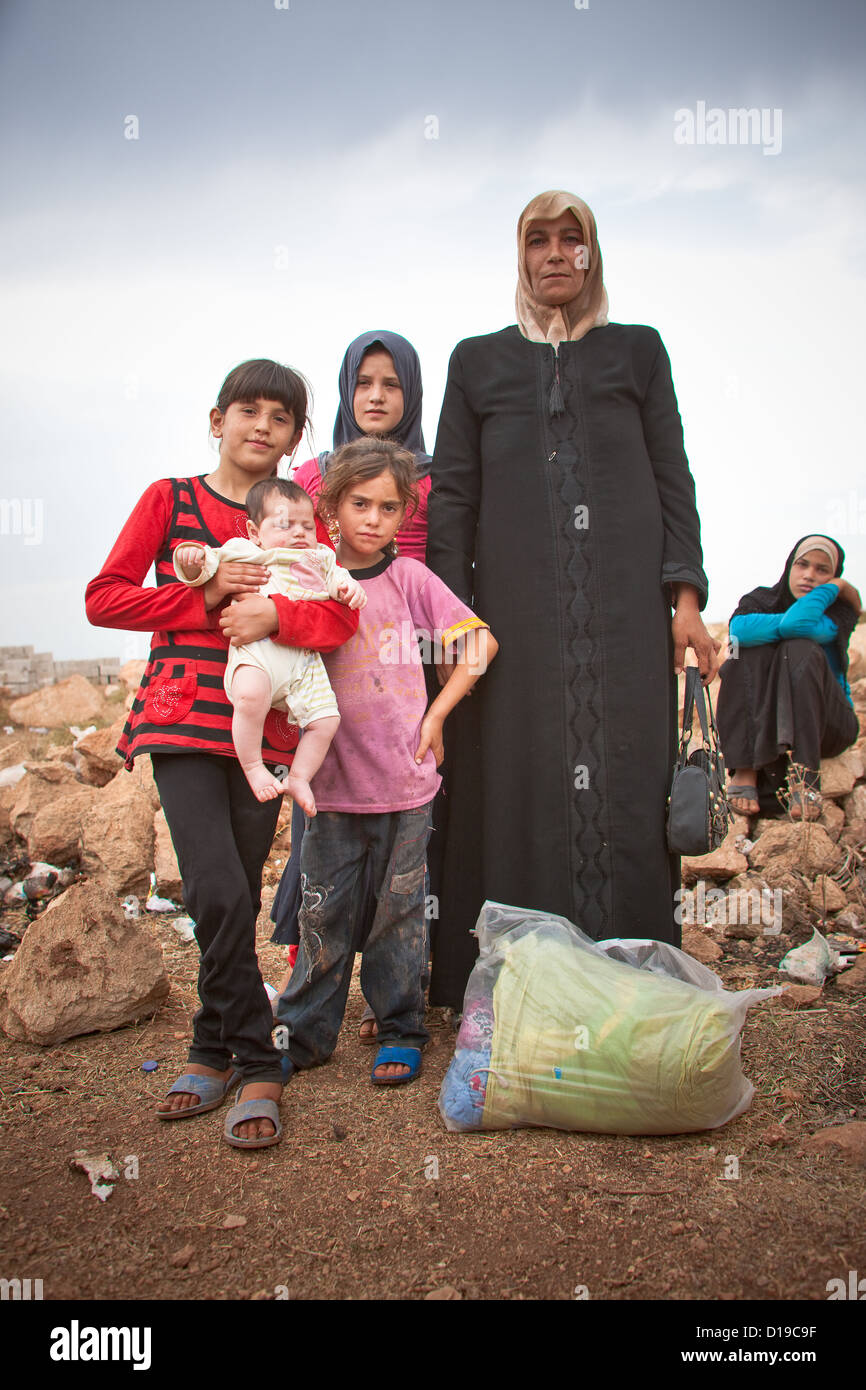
(257, 497)
(262, 379)
(360, 461)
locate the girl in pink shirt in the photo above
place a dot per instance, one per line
(376, 785)
(380, 396)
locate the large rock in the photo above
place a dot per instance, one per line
(853, 980)
(826, 896)
(721, 864)
(806, 847)
(55, 832)
(857, 653)
(99, 762)
(81, 968)
(838, 775)
(855, 804)
(832, 818)
(849, 1141)
(117, 836)
(131, 673)
(700, 946)
(72, 701)
(141, 777)
(43, 784)
(168, 880)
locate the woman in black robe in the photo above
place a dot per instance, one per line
(784, 697)
(563, 509)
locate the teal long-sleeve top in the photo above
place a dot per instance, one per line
(807, 617)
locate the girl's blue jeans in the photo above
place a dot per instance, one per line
(335, 847)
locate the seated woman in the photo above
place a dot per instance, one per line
(784, 694)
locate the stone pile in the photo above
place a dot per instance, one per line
(71, 812)
(773, 877)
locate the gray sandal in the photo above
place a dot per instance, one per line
(746, 792)
(253, 1110)
(210, 1090)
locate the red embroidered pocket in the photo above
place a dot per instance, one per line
(279, 731)
(170, 693)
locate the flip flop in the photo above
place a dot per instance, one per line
(210, 1090)
(253, 1110)
(402, 1056)
(746, 792)
(368, 1039)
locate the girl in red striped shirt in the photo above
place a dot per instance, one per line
(182, 717)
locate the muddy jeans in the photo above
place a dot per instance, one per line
(336, 846)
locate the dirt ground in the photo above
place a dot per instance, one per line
(369, 1197)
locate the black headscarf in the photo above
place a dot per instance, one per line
(778, 598)
(408, 369)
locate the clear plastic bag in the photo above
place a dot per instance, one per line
(612, 1037)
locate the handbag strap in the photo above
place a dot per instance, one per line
(696, 695)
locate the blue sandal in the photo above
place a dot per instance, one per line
(210, 1090)
(403, 1056)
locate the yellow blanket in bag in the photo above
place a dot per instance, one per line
(582, 1042)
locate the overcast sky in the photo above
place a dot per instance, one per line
(284, 194)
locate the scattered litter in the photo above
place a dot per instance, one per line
(149, 1066)
(812, 962)
(185, 928)
(130, 907)
(8, 729)
(845, 944)
(15, 895)
(157, 904)
(10, 776)
(37, 729)
(744, 844)
(45, 880)
(9, 957)
(78, 734)
(99, 1169)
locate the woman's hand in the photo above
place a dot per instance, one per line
(431, 737)
(249, 619)
(688, 630)
(234, 577)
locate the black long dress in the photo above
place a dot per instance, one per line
(563, 532)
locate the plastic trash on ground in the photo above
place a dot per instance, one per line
(613, 1037)
(812, 962)
(185, 928)
(155, 903)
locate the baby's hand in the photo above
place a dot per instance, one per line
(352, 592)
(190, 558)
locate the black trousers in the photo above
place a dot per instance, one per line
(783, 698)
(222, 836)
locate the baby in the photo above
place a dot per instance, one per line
(266, 674)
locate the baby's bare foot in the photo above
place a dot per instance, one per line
(264, 784)
(301, 792)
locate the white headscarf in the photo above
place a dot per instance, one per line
(543, 323)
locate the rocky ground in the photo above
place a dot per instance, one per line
(369, 1196)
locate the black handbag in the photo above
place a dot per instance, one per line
(698, 811)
